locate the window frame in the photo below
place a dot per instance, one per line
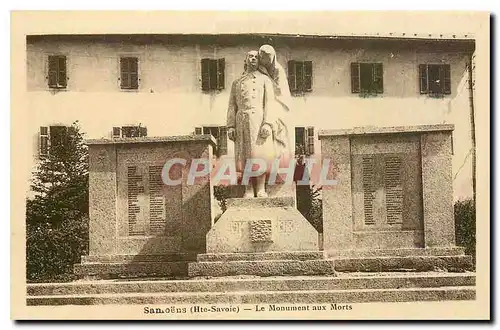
(444, 74)
(142, 130)
(308, 140)
(48, 71)
(207, 83)
(120, 75)
(44, 136)
(356, 78)
(222, 138)
(306, 85)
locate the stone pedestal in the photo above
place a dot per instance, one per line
(262, 237)
(393, 191)
(261, 225)
(138, 224)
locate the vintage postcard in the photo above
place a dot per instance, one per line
(250, 165)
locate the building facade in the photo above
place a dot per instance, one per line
(163, 85)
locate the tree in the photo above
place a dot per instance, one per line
(57, 216)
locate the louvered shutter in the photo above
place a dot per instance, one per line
(310, 140)
(61, 72)
(134, 72)
(221, 79)
(355, 83)
(378, 78)
(292, 81)
(424, 78)
(44, 141)
(116, 132)
(205, 74)
(124, 73)
(446, 79)
(308, 76)
(53, 71)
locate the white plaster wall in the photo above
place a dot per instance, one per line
(169, 100)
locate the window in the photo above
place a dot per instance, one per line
(367, 78)
(304, 140)
(57, 77)
(130, 131)
(219, 133)
(300, 76)
(212, 74)
(129, 72)
(435, 79)
(44, 141)
(53, 138)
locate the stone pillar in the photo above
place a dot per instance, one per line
(437, 186)
(337, 211)
(102, 199)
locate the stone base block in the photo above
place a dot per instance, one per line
(133, 269)
(400, 252)
(124, 266)
(280, 283)
(408, 263)
(292, 255)
(261, 225)
(262, 268)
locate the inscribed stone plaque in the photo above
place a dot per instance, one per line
(146, 206)
(386, 183)
(135, 188)
(261, 231)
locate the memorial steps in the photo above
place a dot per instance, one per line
(275, 263)
(274, 277)
(342, 288)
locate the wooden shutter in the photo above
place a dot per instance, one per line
(355, 83)
(308, 76)
(222, 141)
(378, 78)
(446, 76)
(310, 140)
(134, 72)
(205, 74)
(393, 190)
(368, 189)
(61, 77)
(292, 78)
(52, 75)
(124, 72)
(299, 76)
(116, 132)
(214, 76)
(221, 79)
(299, 140)
(198, 131)
(57, 77)
(424, 78)
(44, 141)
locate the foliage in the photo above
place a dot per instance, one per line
(310, 204)
(465, 226)
(221, 194)
(57, 216)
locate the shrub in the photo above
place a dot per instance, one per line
(310, 204)
(465, 226)
(53, 250)
(57, 216)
